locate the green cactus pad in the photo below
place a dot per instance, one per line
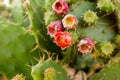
(103, 27)
(110, 71)
(15, 47)
(57, 72)
(36, 11)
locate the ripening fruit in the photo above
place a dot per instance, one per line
(105, 5)
(85, 45)
(70, 22)
(105, 48)
(60, 7)
(54, 27)
(63, 39)
(90, 17)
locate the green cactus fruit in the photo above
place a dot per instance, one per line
(49, 74)
(105, 5)
(90, 17)
(105, 48)
(48, 70)
(18, 77)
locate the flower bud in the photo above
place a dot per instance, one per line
(54, 27)
(85, 45)
(60, 7)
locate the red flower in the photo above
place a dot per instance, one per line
(54, 27)
(85, 45)
(63, 39)
(60, 7)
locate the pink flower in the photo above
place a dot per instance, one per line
(63, 39)
(54, 27)
(60, 7)
(85, 45)
(70, 22)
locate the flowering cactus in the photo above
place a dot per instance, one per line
(63, 39)
(85, 45)
(70, 22)
(60, 7)
(59, 19)
(54, 27)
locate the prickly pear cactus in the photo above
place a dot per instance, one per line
(15, 50)
(48, 70)
(81, 32)
(112, 68)
(84, 34)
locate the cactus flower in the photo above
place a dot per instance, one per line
(70, 22)
(60, 7)
(85, 45)
(63, 39)
(54, 27)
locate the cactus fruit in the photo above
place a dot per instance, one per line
(18, 77)
(90, 17)
(105, 48)
(105, 5)
(48, 70)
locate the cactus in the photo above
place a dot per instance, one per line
(15, 50)
(84, 34)
(48, 70)
(80, 19)
(112, 68)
